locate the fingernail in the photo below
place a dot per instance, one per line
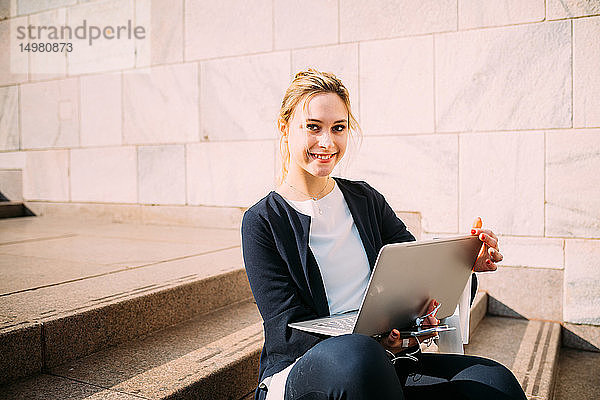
(488, 262)
(394, 334)
(482, 236)
(472, 231)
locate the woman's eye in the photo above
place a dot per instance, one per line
(312, 127)
(339, 128)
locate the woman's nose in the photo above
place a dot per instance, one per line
(325, 139)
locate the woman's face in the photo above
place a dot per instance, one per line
(318, 142)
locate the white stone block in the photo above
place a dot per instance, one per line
(483, 13)
(531, 252)
(586, 72)
(103, 54)
(160, 104)
(516, 77)
(240, 97)
(236, 174)
(106, 174)
(9, 118)
(376, 19)
(572, 8)
(52, 64)
(342, 60)
(396, 86)
(414, 173)
(227, 28)
(12, 160)
(502, 181)
(295, 23)
(161, 174)
(46, 175)
(582, 280)
(573, 183)
(50, 114)
(14, 63)
(164, 43)
(30, 7)
(101, 110)
(8, 9)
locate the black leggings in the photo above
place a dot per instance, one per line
(357, 367)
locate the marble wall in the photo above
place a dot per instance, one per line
(468, 107)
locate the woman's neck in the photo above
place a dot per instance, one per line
(305, 186)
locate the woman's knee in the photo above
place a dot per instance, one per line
(349, 365)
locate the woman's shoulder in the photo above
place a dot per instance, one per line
(357, 186)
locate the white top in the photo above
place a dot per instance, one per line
(338, 249)
(341, 257)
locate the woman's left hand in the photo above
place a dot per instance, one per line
(489, 254)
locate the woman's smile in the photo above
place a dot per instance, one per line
(321, 157)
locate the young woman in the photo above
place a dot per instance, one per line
(309, 247)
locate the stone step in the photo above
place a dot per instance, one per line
(72, 289)
(213, 356)
(578, 375)
(529, 348)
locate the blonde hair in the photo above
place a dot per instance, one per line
(304, 86)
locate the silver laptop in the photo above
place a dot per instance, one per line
(405, 279)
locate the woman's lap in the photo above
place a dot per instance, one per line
(356, 366)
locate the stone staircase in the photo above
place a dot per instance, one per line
(98, 310)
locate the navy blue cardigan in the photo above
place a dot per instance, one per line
(283, 272)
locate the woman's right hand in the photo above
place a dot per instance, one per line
(394, 343)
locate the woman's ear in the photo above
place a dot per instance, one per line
(283, 129)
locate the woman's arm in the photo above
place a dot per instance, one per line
(275, 293)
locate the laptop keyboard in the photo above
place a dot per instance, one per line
(346, 323)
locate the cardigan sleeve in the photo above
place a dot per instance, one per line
(276, 296)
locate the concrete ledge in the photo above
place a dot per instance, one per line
(20, 352)
(198, 216)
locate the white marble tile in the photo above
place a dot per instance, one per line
(227, 28)
(50, 113)
(483, 13)
(164, 43)
(573, 183)
(106, 174)
(414, 173)
(396, 86)
(376, 19)
(29, 6)
(14, 63)
(236, 174)
(582, 280)
(48, 65)
(8, 8)
(299, 23)
(101, 109)
(572, 8)
(161, 174)
(160, 104)
(502, 181)
(12, 160)
(342, 60)
(103, 54)
(46, 175)
(532, 252)
(241, 97)
(586, 72)
(9, 118)
(516, 77)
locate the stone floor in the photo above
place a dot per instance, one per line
(578, 375)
